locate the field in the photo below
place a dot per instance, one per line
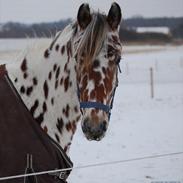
(140, 125)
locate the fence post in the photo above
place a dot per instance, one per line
(152, 82)
(127, 69)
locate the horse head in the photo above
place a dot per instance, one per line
(97, 52)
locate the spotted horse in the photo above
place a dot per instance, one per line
(73, 77)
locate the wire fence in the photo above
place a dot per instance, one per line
(93, 165)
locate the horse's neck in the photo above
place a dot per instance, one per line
(46, 82)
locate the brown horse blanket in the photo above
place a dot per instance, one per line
(21, 135)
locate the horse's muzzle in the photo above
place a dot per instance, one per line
(93, 131)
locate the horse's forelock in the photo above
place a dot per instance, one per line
(92, 39)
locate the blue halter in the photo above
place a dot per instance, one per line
(98, 105)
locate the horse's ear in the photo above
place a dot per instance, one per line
(84, 16)
(114, 16)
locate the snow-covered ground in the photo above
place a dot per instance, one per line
(140, 126)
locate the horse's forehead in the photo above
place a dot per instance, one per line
(99, 75)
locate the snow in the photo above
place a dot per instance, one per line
(10, 49)
(15, 44)
(140, 126)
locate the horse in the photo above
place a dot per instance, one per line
(72, 78)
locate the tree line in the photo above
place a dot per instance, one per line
(127, 32)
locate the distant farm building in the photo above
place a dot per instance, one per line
(163, 30)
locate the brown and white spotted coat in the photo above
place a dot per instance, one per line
(47, 79)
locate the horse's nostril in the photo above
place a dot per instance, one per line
(103, 126)
(85, 126)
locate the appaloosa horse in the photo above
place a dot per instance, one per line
(76, 75)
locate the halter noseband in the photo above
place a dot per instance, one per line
(98, 105)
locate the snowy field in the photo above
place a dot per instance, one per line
(140, 126)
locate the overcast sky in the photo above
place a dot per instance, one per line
(29, 11)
